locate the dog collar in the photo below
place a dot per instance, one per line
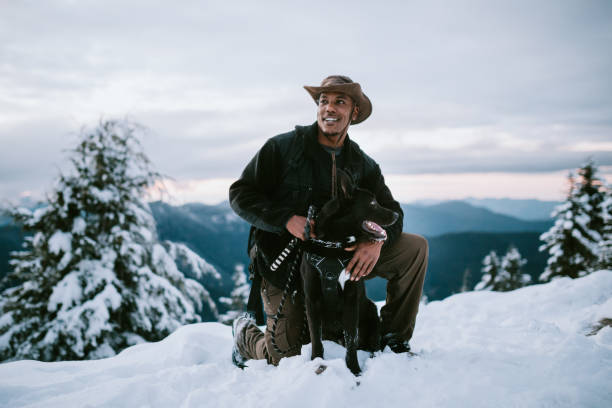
(348, 242)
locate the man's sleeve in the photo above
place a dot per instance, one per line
(375, 182)
(251, 195)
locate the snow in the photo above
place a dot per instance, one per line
(196, 265)
(90, 317)
(103, 196)
(66, 293)
(78, 226)
(60, 241)
(38, 213)
(526, 348)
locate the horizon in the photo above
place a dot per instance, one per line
(406, 188)
(215, 191)
(551, 186)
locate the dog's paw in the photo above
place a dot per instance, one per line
(320, 369)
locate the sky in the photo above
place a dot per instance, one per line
(470, 98)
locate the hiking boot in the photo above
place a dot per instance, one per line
(395, 344)
(239, 327)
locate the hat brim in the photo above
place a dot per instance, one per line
(353, 90)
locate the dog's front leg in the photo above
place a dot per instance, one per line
(313, 297)
(350, 320)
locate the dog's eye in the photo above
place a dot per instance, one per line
(373, 202)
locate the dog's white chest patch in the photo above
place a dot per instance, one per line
(344, 276)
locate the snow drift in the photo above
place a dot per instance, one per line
(531, 347)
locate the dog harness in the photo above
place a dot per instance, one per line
(329, 269)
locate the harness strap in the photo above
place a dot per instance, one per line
(349, 241)
(329, 269)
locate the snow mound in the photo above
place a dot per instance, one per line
(531, 347)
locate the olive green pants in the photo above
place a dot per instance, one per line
(403, 265)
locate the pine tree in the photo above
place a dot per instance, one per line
(195, 267)
(466, 278)
(574, 242)
(605, 245)
(239, 296)
(511, 276)
(93, 276)
(490, 271)
(591, 192)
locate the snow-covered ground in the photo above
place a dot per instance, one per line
(527, 348)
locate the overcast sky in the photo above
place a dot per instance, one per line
(470, 98)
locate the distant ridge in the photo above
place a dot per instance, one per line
(459, 216)
(529, 210)
(214, 232)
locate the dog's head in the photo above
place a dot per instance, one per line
(355, 212)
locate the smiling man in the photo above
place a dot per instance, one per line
(293, 171)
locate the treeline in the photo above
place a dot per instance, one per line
(579, 242)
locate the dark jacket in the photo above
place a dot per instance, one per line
(282, 180)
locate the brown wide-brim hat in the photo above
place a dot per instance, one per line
(345, 85)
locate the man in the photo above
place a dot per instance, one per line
(294, 170)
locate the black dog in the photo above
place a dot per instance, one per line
(342, 312)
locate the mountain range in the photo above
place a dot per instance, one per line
(459, 216)
(530, 210)
(459, 234)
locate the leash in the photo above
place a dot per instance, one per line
(284, 254)
(281, 305)
(277, 262)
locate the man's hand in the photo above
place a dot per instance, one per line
(364, 259)
(296, 225)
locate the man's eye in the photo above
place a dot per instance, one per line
(340, 101)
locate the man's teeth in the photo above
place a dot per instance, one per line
(331, 120)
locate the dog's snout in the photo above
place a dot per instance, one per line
(390, 218)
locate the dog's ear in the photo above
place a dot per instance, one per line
(347, 186)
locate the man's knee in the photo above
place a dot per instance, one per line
(418, 241)
(408, 251)
(413, 245)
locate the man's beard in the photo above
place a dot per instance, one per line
(331, 135)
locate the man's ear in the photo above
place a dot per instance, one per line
(355, 113)
(346, 184)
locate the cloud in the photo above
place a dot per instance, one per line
(471, 87)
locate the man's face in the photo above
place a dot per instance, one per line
(334, 113)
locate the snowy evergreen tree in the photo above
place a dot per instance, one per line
(239, 296)
(511, 276)
(605, 245)
(490, 271)
(504, 275)
(93, 276)
(575, 241)
(591, 192)
(195, 267)
(465, 287)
